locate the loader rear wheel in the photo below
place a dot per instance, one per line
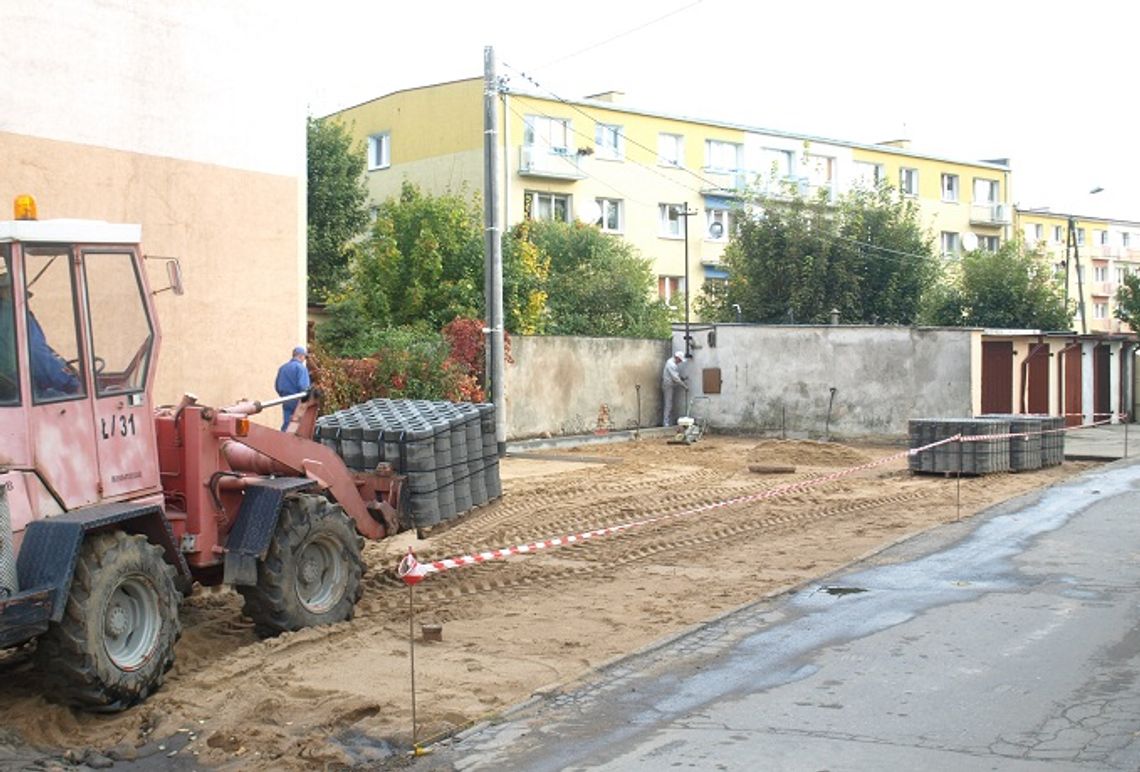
(115, 643)
(312, 572)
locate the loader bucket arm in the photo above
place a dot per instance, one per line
(303, 457)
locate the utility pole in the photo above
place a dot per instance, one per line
(493, 256)
(1072, 240)
(688, 338)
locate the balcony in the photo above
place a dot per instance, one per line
(990, 214)
(552, 163)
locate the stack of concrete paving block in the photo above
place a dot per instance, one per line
(1025, 450)
(1052, 440)
(440, 446)
(979, 456)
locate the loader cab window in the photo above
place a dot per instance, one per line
(53, 335)
(9, 375)
(122, 338)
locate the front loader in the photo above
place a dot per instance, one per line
(111, 508)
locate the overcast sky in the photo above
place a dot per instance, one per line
(1050, 86)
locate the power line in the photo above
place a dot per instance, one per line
(618, 36)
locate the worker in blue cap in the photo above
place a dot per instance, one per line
(292, 378)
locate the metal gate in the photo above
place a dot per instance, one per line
(997, 377)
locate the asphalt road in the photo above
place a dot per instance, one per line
(1008, 642)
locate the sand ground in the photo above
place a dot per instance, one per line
(341, 696)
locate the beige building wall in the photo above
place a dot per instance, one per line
(150, 114)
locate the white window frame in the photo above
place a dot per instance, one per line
(868, 174)
(1100, 310)
(1080, 237)
(671, 225)
(951, 243)
(609, 141)
(721, 217)
(1125, 239)
(951, 188)
(778, 162)
(715, 149)
(1058, 234)
(989, 243)
(606, 208)
(539, 198)
(379, 151)
(1102, 238)
(547, 132)
(985, 191)
(1120, 272)
(908, 182)
(671, 149)
(669, 287)
(1100, 273)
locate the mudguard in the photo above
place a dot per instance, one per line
(248, 541)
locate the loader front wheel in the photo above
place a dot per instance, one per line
(312, 572)
(116, 640)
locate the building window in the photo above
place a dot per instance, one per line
(1058, 269)
(609, 141)
(1120, 274)
(671, 149)
(950, 188)
(985, 191)
(1058, 236)
(951, 244)
(1100, 273)
(722, 156)
(609, 215)
(820, 171)
(1102, 238)
(868, 175)
(718, 224)
(1100, 310)
(1035, 233)
(379, 151)
(1080, 237)
(1124, 238)
(671, 220)
(989, 243)
(670, 287)
(551, 134)
(546, 206)
(908, 182)
(777, 163)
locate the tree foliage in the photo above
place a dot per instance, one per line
(1010, 288)
(1128, 301)
(596, 283)
(337, 204)
(793, 259)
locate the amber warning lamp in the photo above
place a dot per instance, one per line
(24, 207)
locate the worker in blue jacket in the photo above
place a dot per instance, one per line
(292, 378)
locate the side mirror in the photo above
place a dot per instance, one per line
(174, 273)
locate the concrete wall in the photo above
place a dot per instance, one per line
(778, 378)
(187, 119)
(558, 385)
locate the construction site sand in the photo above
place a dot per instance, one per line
(342, 695)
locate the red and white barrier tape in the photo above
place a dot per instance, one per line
(412, 571)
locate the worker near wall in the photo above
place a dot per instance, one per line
(292, 378)
(673, 386)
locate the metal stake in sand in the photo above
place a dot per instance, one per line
(404, 571)
(958, 485)
(1126, 436)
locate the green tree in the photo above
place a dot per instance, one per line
(1009, 288)
(597, 284)
(792, 259)
(1128, 301)
(337, 202)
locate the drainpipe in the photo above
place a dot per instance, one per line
(1039, 347)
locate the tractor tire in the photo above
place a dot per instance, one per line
(115, 643)
(312, 573)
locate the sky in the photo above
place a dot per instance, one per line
(1050, 86)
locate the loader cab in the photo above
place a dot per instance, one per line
(78, 343)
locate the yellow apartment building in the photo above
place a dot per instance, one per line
(634, 172)
(1093, 261)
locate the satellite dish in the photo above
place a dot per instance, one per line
(969, 241)
(589, 212)
(716, 230)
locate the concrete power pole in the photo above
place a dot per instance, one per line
(493, 256)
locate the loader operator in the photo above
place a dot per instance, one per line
(292, 378)
(52, 376)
